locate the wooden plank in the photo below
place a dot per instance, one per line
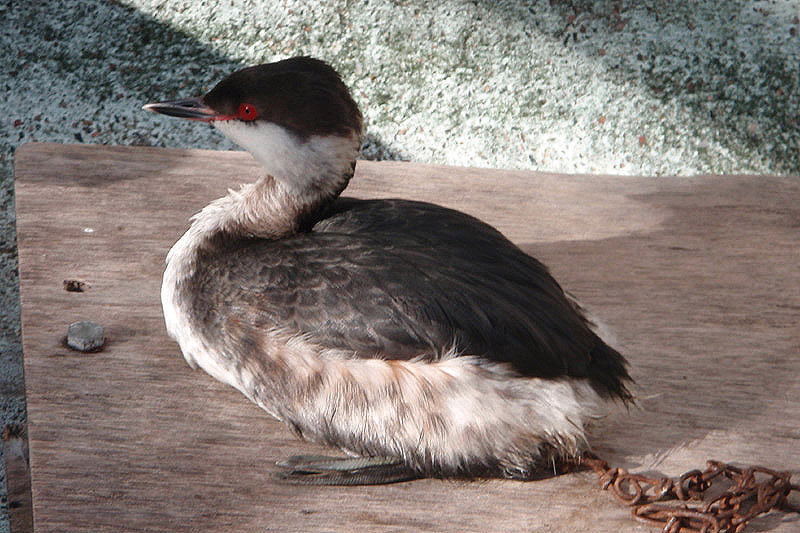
(18, 479)
(698, 277)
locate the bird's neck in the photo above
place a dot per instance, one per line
(266, 209)
(270, 208)
(305, 176)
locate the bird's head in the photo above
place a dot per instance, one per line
(295, 116)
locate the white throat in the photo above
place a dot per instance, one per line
(297, 164)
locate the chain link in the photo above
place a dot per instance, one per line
(661, 501)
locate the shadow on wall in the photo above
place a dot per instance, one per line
(88, 68)
(730, 75)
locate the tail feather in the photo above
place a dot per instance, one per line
(608, 373)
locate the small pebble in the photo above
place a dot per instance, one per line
(85, 336)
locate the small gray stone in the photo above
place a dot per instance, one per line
(85, 336)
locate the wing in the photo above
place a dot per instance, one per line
(397, 279)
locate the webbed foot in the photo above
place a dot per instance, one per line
(325, 470)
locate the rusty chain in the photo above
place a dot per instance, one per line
(661, 501)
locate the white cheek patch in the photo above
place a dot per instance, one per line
(294, 162)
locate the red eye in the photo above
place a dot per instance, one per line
(247, 112)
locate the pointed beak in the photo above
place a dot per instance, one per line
(191, 108)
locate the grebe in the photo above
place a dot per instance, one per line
(411, 335)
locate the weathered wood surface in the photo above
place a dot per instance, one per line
(698, 277)
(18, 479)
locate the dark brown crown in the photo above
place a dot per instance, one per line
(302, 94)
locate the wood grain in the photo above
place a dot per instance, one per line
(698, 277)
(18, 479)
